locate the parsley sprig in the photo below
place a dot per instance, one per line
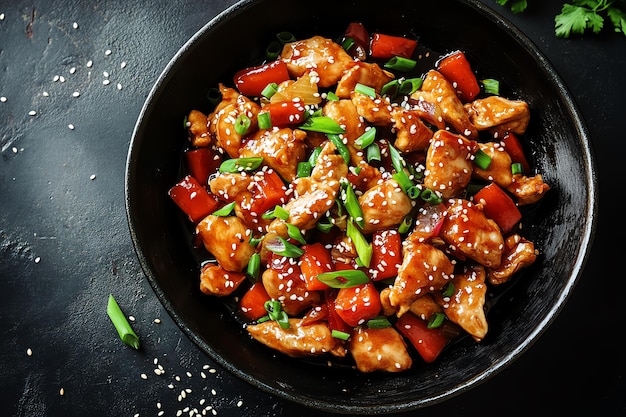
(580, 16)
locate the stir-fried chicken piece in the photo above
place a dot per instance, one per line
(448, 163)
(215, 280)
(411, 133)
(528, 190)
(198, 128)
(369, 74)
(518, 253)
(499, 114)
(468, 231)
(291, 291)
(466, 306)
(379, 350)
(377, 111)
(325, 56)
(281, 149)
(424, 269)
(299, 339)
(231, 187)
(228, 240)
(499, 170)
(446, 98)
(425, 104)
(222, 120)
(384, 206)
(425, 306)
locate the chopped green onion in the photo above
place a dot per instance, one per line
(284, 248)
(304, 169)
(398, 63)
(373, 152)
(405, 226)
(225, 211)
(277, 212)
(341, 147)
(276, 313)
(314, 155)
(185, 122)
(366, 139)
(126, 333)
(285, 37)
(517, 168)
(379, 322)
(214, 96)
(330, 96)
(364, 89)
(265, 121)
(430, 196)
(242, 124)
(323, 124)
(295, 233)
(390, 89)
(263, 319)
(448, 289)
(255, 240)
(491, 86)
(410, 85)
(481, 159)
(236, 165)
(254, 266)
(362, 246)
(273, 50)
(406, 184)
(338, 334)
(269, 90)
(344, 279)
(396, 159)
(347, 44)
(436, 320)
(323, 227)
(351, 203)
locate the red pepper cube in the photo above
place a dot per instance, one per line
(193, 199)
(202, 162)
(386, 254)
(386, 46)
(456, 68)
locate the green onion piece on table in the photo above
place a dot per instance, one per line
(344, 279)
(126, 333)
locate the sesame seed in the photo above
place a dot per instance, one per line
(3, 99)
(93, 177)
(32, 113)
(72, 70)
(107, 52)
(75, 94)
(70, 126)
(144, 376)
(119, 86)
(157, 321)
(62, 391)
(75, 25)
(89, 64)
(37, 260)
(106, 82)
(29, 352)
(123, 65)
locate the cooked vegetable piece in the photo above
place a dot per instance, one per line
(253, 301)
(193, 199)
(356, 305)
(384, 46)
(386, 254)
(315, 260)
(514, 148)
(252, 81)
(285, 113)
(497, 205)
(428, 342)
(456, 68)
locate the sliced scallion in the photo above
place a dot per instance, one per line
(351, 203)
(277, 212)
(295, 233)
(254, 266)
(362, 246)
(323, 226)
(236, 165)
(430, 196)
(436, 320)
(366, 139)
(214, 95)
(285, 37)
(398, 63)
(284, 248)
(379, 322)
(517, 168)
(373, 152)
(323, 124)
(338, 334)
(491, 86)
(314, 155)
(406, 224)
(242, 124)
(330, 96)
(365, 90)
(448, 290)
(406, 184)
(273, 49)
(344, 279)
(264, 120)
(347, 44)
(126, 333)
(410, 85)
(390, 89)
(304, 169)
(341, 147)
(269, 90)
(481, 159)
(225, 211)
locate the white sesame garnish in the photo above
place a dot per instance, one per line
(37, 260)
(75, 25)
(32, 113)
(119, 86)
(144, 376)
(89, 64)
(93, 177)
(70, 126)
(3, 99)
(157, 321)
(123, 65)
(107, 52)
(76, 94)
(29, 352)
(62, 391)
(106, 82)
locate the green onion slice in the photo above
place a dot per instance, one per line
(398, 63)
(448, 290)
(276, 313)
(269, 90)
(410, 85)
(264, 120)
(277, 212)
(436, 320)
(330, 96)
(338, 334)
(362, 246)
(481, 159)
(323, 124)
(214, 95)
(430, 196)
(366, 139)
(236, 165)
(347, 44)
(406, 224)
(254, 266)
(295, 233)
(285, 37)
(341, 147)
(304, 169)
(323, 226)
(373, 152)
(364, 89)
(242, 124)
(284, 248)
(314, 155)
(351, 203)
(344, 279)
(406, 184)
(390, 89)
(491, 86)
(379, 322)
(126, 333)
(225, 211)
(517, 168)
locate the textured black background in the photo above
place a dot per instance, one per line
(65, 245)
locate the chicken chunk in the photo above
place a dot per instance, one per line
(228, 240)
(281, 149)
(425, 104)
(325, 56)
(518, 253)
(424, 269)
(499, 170)
(528, 190)
(449, 163)
(466, 306)
(425, 306)
(222, 120)
(369, 74)
(198, 128)
(446, 98)
(377, 111)
(288, 288)
(411, 133)
(468, 231)
(384, 206)
(498, 114)
(215, 280)
(299, 340)
(379, 350)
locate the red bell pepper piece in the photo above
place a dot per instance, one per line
(315, 260)
(513, 147)
(252, 304)
(497, 205)
(193, 199)
(285, 113)
(202, 162)
(335, 322)
(357, 304)
(386, 46)
(251, 81)
(428, 342)
(456, 68)
(386, 254)
(357, 32)
(267, 193)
